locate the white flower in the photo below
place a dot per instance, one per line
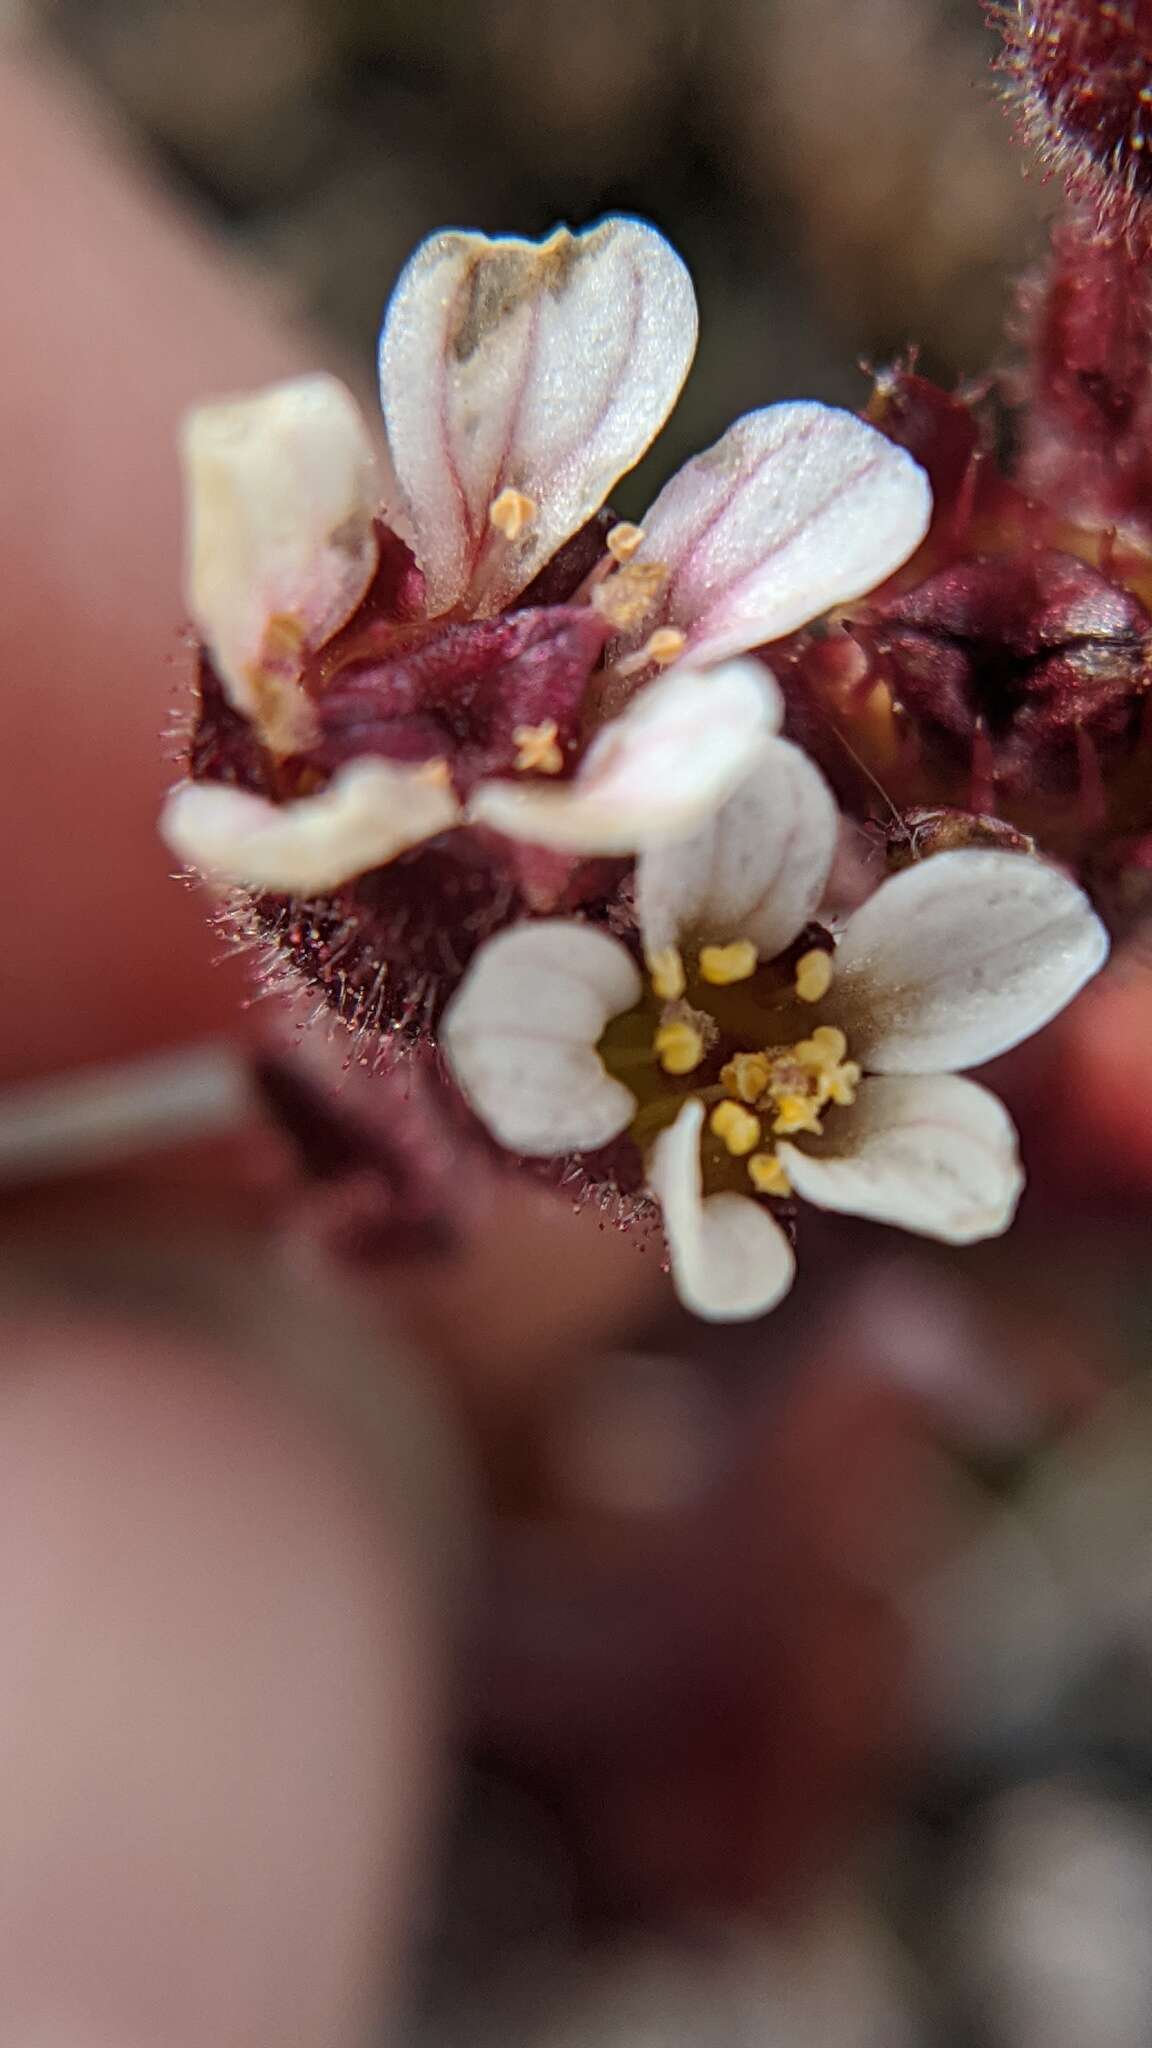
(756, 1066)
(519, 381)
(650, 775)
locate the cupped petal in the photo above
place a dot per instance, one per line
(797, 508)
(371, 811)
(281, 495)
(521, 1033)
(538, 369)
(959, 958)
(757, 870)
(730, 1259)
(928, 1152)
(651, 775)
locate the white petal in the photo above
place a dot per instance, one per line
(281, 495)
(541, 367)
(929, 1152)
(756, 871)
(797, 508)
(520, 1036)
(730, 1259)
(371, 811)
(961, 957)
(653, 774)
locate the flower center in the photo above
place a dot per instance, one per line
(747, 1039)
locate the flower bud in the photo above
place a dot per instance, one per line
(1036, 651)
(1080, 76)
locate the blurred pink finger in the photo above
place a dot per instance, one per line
(214, 1711)
(123, 316)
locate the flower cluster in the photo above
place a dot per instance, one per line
(492, 769)
(1080, 79)
(417, 715)
(1007, 670)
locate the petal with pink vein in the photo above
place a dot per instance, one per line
(797, 508)
(543, 369)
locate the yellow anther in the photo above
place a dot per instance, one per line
(536, 748)
(813, 975)
(842, 1083)
(737, 1129)
(666, 644)
(747, 1075)
(511, 512)
(281, 710)
(666, 973)
(623, 540)
(834, 1078)
(678, 1046)
(767, 1175)
(722, 965)
(626, 597)
(283, 644)
(796, 1113)
(832, 1043)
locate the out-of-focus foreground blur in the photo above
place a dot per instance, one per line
(793, 1685)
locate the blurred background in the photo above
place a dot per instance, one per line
(838, 177)
(796, 1681)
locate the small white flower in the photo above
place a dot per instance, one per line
(281, 495)
(650, 775)
(830, 1073)
(519, 381)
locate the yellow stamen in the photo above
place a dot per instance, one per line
(626, 597)
(722, 965)
(796, 1113)
(813, 975)
(623, 540)
(737, 1129)
(678, 1046)
(747, 1075)
(843, 1083)
(282, 711)
(536, 748)
(831, 1041)
(767, 1175)
(666, 973)
(666, 644)
(822, 1055)
(511, 512)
